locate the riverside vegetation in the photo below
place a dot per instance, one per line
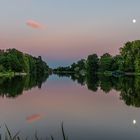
(127, 62)
(14, 62)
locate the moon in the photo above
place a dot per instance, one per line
(134, 21)
(134, 122)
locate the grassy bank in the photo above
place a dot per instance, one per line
(6, 74)
(11, 74)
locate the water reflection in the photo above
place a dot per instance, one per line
(13, 87)
(33, 118)
(129, 86)
(86, 113)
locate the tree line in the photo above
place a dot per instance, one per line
(128, 61)
(12, 60)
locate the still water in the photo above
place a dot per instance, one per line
(90, 108)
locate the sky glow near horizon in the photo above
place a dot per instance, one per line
(64, 31)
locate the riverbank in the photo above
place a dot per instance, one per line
(64, 72)
(12, 74)
(106, 73)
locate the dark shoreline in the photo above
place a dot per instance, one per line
(107, 73)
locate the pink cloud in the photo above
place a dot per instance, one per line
(34, 24)
(33, 118)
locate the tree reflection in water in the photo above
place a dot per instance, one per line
(128, 86)
(13, 87)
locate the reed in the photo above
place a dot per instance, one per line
(9, 136)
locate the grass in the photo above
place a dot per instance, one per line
(11, 74)
(6, 74)
(9, 136)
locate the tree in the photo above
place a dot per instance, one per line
(137, 64)
(105, 62)
(16, 61)
(131, 54)
(2, 68)
(117, 63)
(92, 63)
(81, 64)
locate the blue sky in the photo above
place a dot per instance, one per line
(73, 28)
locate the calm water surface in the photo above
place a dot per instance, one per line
(98, 110)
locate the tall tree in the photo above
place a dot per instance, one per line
(105, 62)
(92, 63)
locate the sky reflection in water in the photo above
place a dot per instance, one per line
(104, 108)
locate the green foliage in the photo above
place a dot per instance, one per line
(62, 69)
(81, 64)
(79, 67)
(106, 83)
(105, 62)
(14, 86)
(131, 54)
(128, 61)
(128, 86)
(137, 64)
(117, 63)
(73, 66)
(2, 69)
(16, 61)
(92, 63)
(92, 82)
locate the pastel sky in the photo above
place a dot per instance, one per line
(63, 31)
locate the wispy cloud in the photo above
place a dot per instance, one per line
(35, 25)
(33, 118)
